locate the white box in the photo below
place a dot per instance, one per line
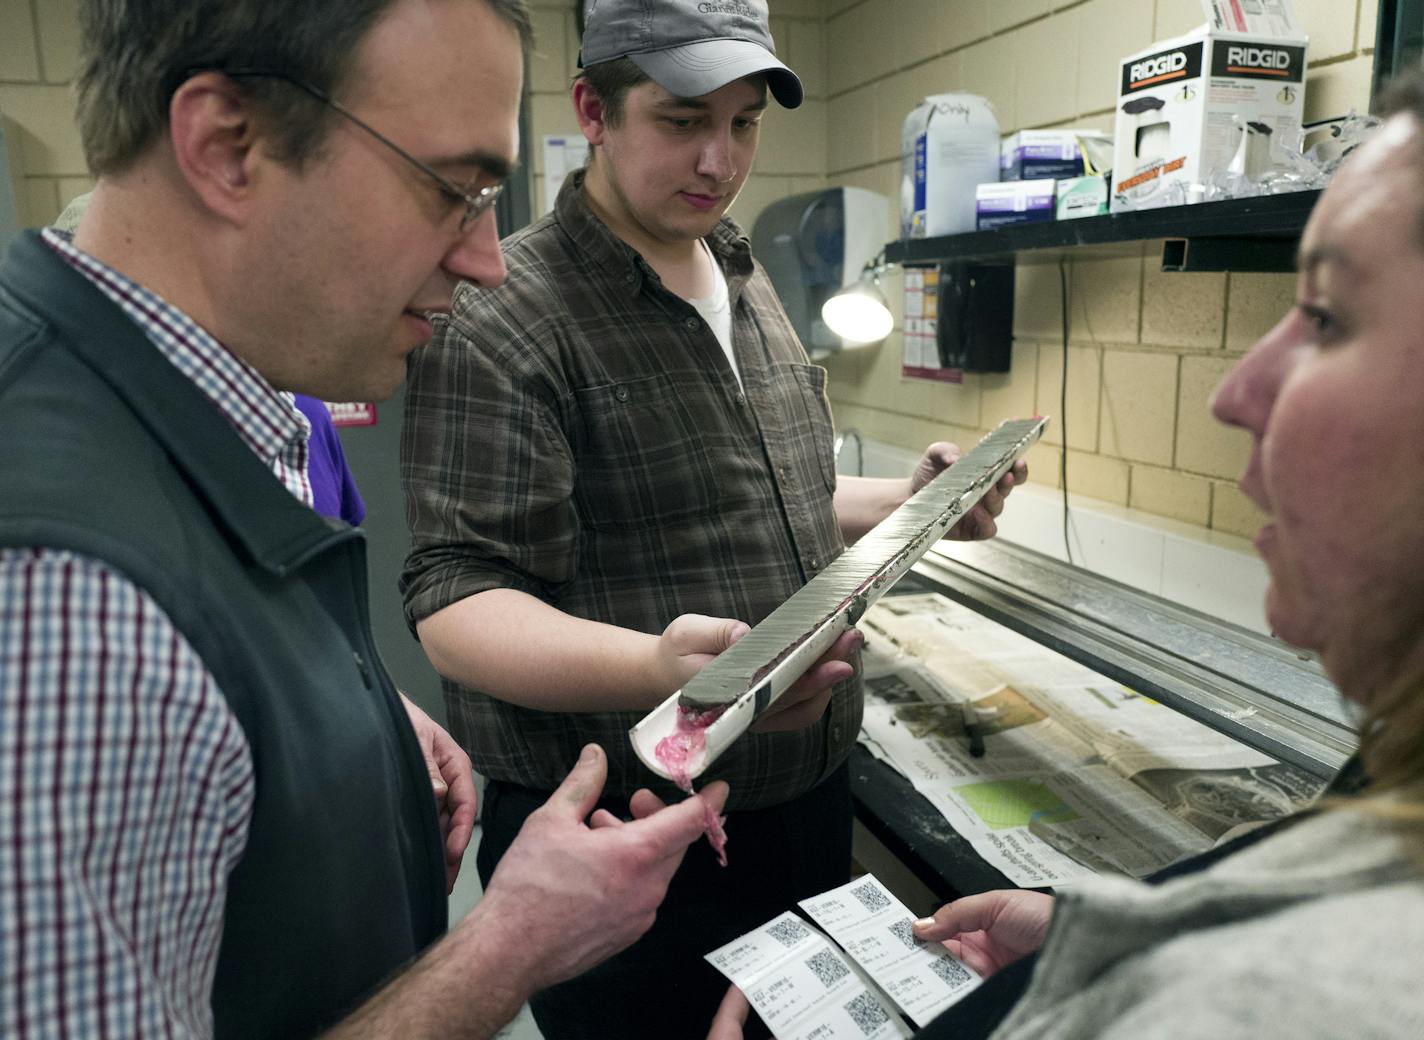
(1082, 196)
(1182, 104)
(948, 145)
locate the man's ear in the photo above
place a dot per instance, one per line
(588, 107)
(214, 134)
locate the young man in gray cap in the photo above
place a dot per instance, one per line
(625, 433)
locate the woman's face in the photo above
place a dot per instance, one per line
(1334, 399)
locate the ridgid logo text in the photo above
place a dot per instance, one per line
(1258, 58)
(1158, 66)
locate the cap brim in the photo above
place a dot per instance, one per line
(700, 68)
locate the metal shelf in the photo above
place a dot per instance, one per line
(1257, 234)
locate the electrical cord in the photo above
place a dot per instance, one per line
(1063, 406)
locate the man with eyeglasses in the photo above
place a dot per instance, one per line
(215, 816)
(624, 437)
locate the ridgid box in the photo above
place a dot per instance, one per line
(1182, 106)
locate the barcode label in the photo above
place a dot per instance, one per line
(865, 1011)
(901, 930)
(788, 932)
(827, 967)
(952, 972)
(870, 897)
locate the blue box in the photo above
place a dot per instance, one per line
(1039, 154)
(1002, 203)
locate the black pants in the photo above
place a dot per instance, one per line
(660, 986)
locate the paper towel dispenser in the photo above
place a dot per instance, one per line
(814, 244)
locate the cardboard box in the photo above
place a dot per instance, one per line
(1183, 105)
(1082, 196)
(1001, 203)
(1035, 154)
(948, 145)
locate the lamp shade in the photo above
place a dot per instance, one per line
(859, 313)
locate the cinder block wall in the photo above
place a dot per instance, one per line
(39, 51)
(1145, 348)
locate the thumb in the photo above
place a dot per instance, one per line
(432, 767)
(579, 792)
(970, 914)
(946, 453)
(732, 631)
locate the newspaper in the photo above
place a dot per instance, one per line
(803, 986)
(1077, 774)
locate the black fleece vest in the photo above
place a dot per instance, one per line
(107, 450)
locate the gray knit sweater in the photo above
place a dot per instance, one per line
(1317, 931)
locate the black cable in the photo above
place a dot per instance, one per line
(1063, 406)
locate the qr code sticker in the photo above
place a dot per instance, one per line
(788, 932)
(953, 973)
(870, 897)
(902, 931)
(866, 1012)
(829, 968)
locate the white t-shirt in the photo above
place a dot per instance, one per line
(716, 310)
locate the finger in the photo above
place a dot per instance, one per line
(845, 646)
(603, 818)
(833, 666)
(672, 829)
(804, 700)
(815, 683)
(985, 529)
(946, 453)
(714, 795)
(971, 914)
(798, 716)
(644, 803)
(461, 797)
(578, 794)
(731, 1016)
(432, 766)
(976, 526)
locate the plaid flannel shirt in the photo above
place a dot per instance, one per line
(577, 434)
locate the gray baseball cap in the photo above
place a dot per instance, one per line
(690, 47)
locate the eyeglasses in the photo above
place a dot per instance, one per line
(475, 204)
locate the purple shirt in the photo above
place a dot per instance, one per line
(333, 487)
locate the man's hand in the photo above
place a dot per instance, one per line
(570, 894)
(991, 930)
(805, 700)
(691, 642)
(454, 785)
(978, 524)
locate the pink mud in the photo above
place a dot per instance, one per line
(683, 749)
